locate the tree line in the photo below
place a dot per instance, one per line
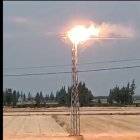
(11, 97)
(122, 95)
(62, 96)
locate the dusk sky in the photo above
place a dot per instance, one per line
(32, 38)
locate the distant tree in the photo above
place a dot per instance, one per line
(24, 97)
(29, 96)
(85, 95)
(133, 87)
(18, 95)
(4, 98)
(61, 96)
(52, 98)
(47, 97)
(56, 97)
(9, 96)
(41, 97)
(110, 98)
(68, 96)
(37, 99)
(116, 94)
(122, 95)
(132, 90)
(64, 98)
(128, 92)
(21, 95)
(14, 98)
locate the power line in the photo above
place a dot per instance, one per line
(52, 73)
(114, 61)
(104, 69)
(88, 63)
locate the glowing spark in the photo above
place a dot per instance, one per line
(80, 33)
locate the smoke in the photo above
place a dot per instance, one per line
(116, 30)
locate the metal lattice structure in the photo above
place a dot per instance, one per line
(75, 117)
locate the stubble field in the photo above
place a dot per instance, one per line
(97, 123)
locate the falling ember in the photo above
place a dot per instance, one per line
(80, 33)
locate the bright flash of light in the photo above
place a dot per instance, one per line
(80, 33)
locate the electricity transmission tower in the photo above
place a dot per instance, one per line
(75, 116)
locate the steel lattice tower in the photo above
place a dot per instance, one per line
(75, 116)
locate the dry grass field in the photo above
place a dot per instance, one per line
(97, 123)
